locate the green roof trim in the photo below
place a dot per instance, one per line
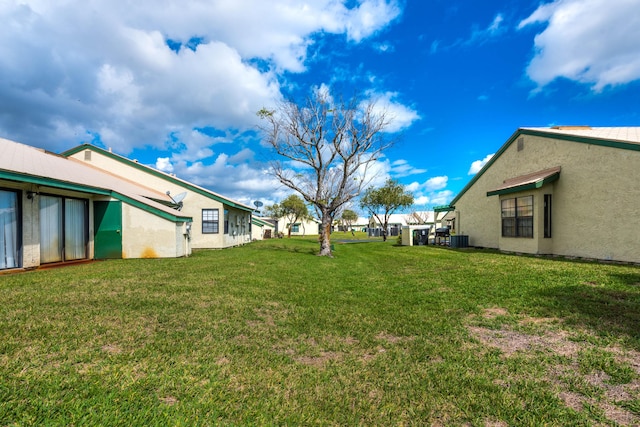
(531, 186)
(55, 183)
(260, 222)
(532, 132)
(443, 208)
(155, 173)
(65, 185)
(151, 209)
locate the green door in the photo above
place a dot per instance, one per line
(108, 230)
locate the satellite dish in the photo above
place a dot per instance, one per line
(258, 203)
(180, 197)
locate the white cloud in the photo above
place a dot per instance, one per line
(479, 164)
(164, 164)
(480, 36)
(399, 115)
(430, 192)
(594, 42)
(436, 183)
(104, 67)
(402, 168)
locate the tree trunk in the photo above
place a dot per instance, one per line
(325, 236)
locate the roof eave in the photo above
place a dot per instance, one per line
(157, 173)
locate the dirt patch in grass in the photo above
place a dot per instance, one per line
(320, 360)
(392, 339)
(169, 400)
(319, 351)
(566, 376)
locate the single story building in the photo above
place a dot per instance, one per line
(552, 191)
(55, 209)
(262, 228)
(218, 222)
(302, 227)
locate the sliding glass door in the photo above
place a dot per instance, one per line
(9, 230)
(75, 229)
(63, 229)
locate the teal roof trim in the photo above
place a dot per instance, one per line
(151, 209)
(63, 185)
(260, 222)
(443, 208)
(155, 173)
(531, 186)
(573, 138)
(48, 182)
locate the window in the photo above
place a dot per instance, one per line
(9, 230)
(226, 221)
(295, 228)
(517, 217)
(547, 215)
(210, 221)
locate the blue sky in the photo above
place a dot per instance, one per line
(176, 85)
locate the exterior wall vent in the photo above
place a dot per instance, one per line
(520, 144)
(87, 155)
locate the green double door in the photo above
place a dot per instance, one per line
(108, 230)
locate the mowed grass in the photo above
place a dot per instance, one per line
(270, 334)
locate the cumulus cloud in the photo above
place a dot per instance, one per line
(184, 78)
(479, 164)
(589, 41)
(400, 116)
(431, 192)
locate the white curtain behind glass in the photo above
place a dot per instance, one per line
(50, 229)
(75, 234)
(8, 230)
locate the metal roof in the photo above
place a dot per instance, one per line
(20, 162)
(169, 177)
(532, 180)
(622, 134)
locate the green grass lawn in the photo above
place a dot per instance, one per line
(270, 334)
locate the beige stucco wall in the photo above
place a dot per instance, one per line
(257, 231)
(149, 236)
(307, 227)
(144, 235)
(193, 203)
(596, 183)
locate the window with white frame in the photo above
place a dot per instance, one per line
(210, 221)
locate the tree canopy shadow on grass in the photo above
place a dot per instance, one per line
(605, 310)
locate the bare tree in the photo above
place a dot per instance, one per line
(328, 148)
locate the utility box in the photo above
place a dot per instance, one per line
(416, 235)
(459, 241)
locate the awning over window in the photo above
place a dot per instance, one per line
(527, 182)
